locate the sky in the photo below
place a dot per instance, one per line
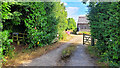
(75, 8)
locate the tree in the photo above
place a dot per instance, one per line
(71, 23)
(61, 18)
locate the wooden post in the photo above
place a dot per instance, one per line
(83, 38)
(18, 42)
(92, 41)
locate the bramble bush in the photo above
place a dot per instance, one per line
(104, 22)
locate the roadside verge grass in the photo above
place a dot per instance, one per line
(66, 54)
(93, 52)
(26, 55)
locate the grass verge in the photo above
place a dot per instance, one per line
(22, 54)
(66, 37)
(93, 52)
(66, 54)
(26, 55)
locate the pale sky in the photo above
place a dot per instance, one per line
(75, 8)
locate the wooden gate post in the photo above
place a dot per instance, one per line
(83, 38)
(92, 41)
(18, 42)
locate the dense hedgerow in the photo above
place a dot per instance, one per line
(104, 20)
(40, 20)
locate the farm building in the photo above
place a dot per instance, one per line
(82, 24)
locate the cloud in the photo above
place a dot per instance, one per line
(83, 15)
(72, 8)
(64, 3)
(75, 17)
(71, 0)
(72, 12)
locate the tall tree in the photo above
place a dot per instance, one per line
(71, 23)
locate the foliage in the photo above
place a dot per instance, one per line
(71, 23)
(67, 52)
(5, 43)
(36, 24)
(74, 31)
(61, 16)
(104, 23)
(64, 36)
(47, 22)
(11, 16)
(6, 47)
(92, 51)
(40, 20)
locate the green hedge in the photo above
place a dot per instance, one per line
(40, 20)
(104, 23)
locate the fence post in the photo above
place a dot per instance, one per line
(92, 41)
(83, 38)
(18, 42)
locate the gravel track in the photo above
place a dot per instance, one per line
(79, 58)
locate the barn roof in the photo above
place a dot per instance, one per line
(82, 23)
(82, 19)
